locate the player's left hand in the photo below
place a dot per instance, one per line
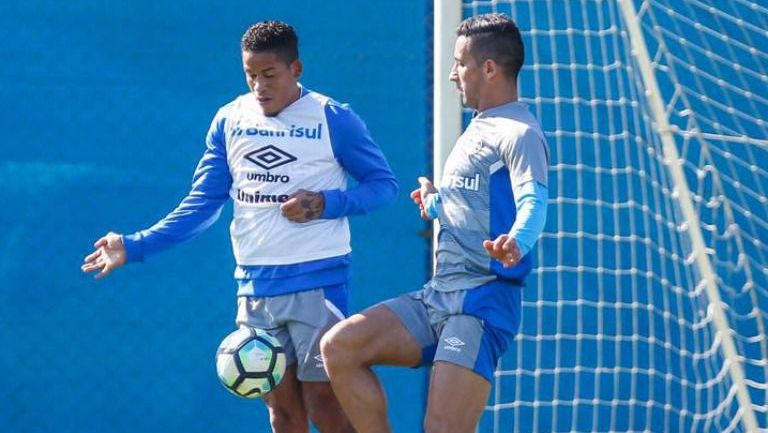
(420, 194)
(504, 249)
(303, 206)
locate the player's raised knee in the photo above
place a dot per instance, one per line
(336, 345)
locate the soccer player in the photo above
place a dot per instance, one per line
(491, 206)
(283, 154)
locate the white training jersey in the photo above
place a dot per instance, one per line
(270, 158)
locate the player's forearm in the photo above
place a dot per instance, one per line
(531, 204)
(192, 217)
(361, 199)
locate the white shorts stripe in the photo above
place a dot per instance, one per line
(332, 308)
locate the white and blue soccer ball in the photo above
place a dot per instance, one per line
(250, 362)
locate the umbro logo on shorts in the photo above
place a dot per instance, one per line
(319, 359)
(454, 343)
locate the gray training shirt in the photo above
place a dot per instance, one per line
(502, 148)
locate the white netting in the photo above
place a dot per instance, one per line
(618, 331)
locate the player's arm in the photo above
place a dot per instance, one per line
(531, 202)
(363, 160)
(356, 151)
(531, 205)
(196, 212)
(527, 162)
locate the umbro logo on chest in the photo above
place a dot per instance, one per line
(270, 157)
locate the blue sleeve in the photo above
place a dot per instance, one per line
(431, 204)
(531, 203)
(198, 210)
(356, 151)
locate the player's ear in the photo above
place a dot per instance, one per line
(491, 68)
(296, 68)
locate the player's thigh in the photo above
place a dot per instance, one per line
(456, 400)
(374, 336)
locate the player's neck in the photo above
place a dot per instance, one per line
(296, 95)
(498, 96)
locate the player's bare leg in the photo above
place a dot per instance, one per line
(286, 407)
(324, 409)
(449, 411)
(351, 347)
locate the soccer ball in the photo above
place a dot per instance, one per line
(250, 362)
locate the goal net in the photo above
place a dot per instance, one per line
(648, 307)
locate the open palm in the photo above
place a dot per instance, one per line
(109, 255)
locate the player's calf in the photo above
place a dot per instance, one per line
(287, 413)
(283, 421)
(324, 409)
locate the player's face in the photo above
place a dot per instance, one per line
(273, 82)
(466, 73)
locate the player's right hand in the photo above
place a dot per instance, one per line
(419, 195)
(109, 255)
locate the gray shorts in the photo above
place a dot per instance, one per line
(470, 328)
(298, 320)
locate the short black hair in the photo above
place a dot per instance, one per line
(274, 36)
(495, 36)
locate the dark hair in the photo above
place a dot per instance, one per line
(495, 36)
(274, 36)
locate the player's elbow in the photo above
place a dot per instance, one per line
(385, 190)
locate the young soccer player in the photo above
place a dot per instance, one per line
(282, 153)
(491, 206)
